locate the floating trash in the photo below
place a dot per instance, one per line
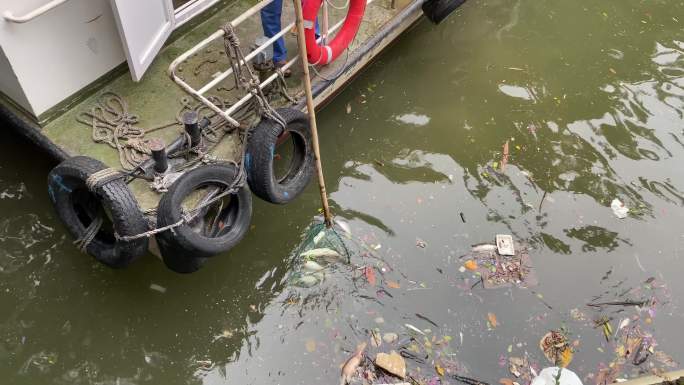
(497, 270)
(393, 363)
(619, 209)
(504, 244)
(556, 348)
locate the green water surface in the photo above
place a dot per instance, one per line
(588, 94)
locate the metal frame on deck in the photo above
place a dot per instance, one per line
(199, 94)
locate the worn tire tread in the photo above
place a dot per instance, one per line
(127, 217)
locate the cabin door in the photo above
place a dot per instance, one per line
(187, 9)
(144, 26)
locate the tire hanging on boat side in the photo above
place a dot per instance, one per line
(185, 248)
(437, 10)
(78, 208)
(260, 156)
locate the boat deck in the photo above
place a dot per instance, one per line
(157, 100)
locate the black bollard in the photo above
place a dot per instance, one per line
(158, 149)
(191, 122)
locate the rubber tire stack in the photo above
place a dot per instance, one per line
(76, 206)
(259, 158)
(184, 250)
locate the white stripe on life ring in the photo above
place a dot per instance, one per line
(329, 53)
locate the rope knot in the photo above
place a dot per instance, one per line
(231, 36)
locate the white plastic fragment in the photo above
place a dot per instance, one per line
(623, 324)
(504, 244)
(155, 287)
(548, 377)
(619, 209)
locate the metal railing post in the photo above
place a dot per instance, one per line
(326, 22)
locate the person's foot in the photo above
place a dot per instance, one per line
(280, 64)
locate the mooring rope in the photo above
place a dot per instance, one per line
(188, 216)
(113, 124)
(102, 177)
(282, 86)
(250, 83)
(89, 234)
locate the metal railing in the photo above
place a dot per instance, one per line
(199, 94)
(9, 16)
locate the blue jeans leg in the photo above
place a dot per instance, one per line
(270, 21)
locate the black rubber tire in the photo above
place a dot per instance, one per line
(260, 152)
(76, 206)
(184, 249)
(183, 264)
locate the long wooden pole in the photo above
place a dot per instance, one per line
(299, 21)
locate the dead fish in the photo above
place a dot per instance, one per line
(306, 281)
(415, 329)
(312, 266)
(342, 224)
(483, 247)
(349, 367)
(320, 253)
(319, 275)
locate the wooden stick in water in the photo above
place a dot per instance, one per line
(299, 21)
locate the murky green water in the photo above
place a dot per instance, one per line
(590, 97)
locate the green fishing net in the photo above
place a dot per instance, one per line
(321, 248)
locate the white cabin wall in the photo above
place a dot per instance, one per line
(9, 84)
(60, 52)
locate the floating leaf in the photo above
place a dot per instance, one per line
(565, 357)
(440, 370)
(392, 362)
(349, 367)
(504, 157)
(470, 265)
(491, 317)
(369, 272)
(376, 340)
(393, 285)
(607, 330)
(506, 381)
(310, 345)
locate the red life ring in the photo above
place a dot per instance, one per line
(317, 54)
